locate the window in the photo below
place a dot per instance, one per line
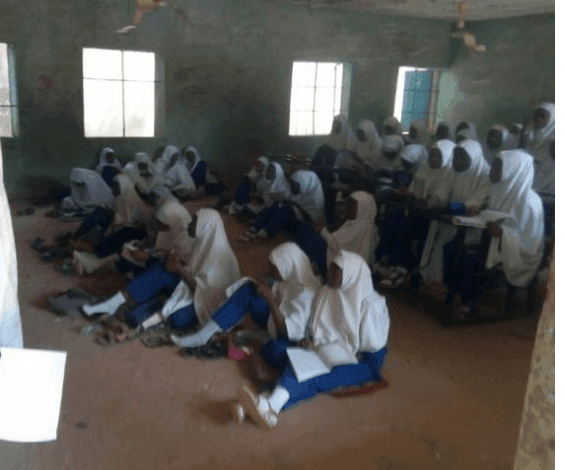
(8, 101)
(319, 91)
(416, 96)
(120, 93)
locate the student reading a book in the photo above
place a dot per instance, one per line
(284, 309)
(469, 192)
(347, 314)
(517, 243)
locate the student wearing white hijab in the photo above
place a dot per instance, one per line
(206, 181)
(444, 131)
(369, 144)
(517, 242)
(308, 194)
(284, 310)
(144, 175)
(163, 163)
(348, 314)
(470, 187)
(392, 126)
(255, 183)
(88, 193)
(498, 139)
(466, 130)
(107, 157)
(515, 132)
(412, 156)
(341, 136)
(391, 148)
(544, 172)
(418, 133)
(10, 321)
(537, 139)
(177, 176)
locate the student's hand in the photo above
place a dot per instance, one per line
(264, 291)
(494, 229)
(140, 256)
(160, 253)
(473, 211)
(174, 263)
(318, 226)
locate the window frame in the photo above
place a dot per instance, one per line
(344, 95)
(432, 107)
(159, 95)
(14, 104)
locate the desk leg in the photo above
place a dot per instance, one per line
(456, 281)
(481, 259)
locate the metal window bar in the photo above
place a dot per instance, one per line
(123, 99)
(314, 98)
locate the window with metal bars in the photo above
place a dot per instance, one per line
(120, 90)
(416, 97)
(8, 96)
(319, 91)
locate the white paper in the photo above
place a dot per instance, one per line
(234, 287)
(31, 387)
(481, 220)
(306, 363)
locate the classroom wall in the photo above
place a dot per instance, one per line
(227, 77)
(506, 83)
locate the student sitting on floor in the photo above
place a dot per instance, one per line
(255, 185)
(444, 131)
(88, 192)
(195, 277)
(206, 181)
(142, 173)
(392, 126)
(466, 130)
(470, 190)
(284, 310)
(357, 234)
(163, 162)
(418, 133)
(412, 157)
(517, 242)
(347, 313)
(130, 217)
(538, 135)
(368, 150)
(108, 166)
(306, 204)
(177, 176)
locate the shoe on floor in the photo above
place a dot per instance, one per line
(257, 407)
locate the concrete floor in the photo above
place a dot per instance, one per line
(454, 401)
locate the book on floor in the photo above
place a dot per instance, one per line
(31, 388)
(480, 220)
(309, 363)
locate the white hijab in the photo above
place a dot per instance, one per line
(164, 161)
(311, 197)
(508, 142)
(296, 291)
(369, 150)
(128, 205)
(178, 177)
(450, 128)
(213, 263)
(102, 162)
(392, 121)
(359, 235)
(177, 238)
(416, 154)
(392, 144)
(10, 321)
(345, 139)
(92, 193)
(354, 315)
(438, 182)
(279, 185)
(262, 183)
(422, 137)
(470, 133)
(146, 184)
(198, 159)
(471, 187)
(544, 174)
(522, 242)
(537, 138)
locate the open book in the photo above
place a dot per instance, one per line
(480, 220)
(308, 363)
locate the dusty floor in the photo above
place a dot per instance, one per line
(454, 401)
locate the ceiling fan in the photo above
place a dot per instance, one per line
(146, 5)
(459, 32)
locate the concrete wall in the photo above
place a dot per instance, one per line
(506, 83)
(227, 78)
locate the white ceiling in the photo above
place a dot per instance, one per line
(440, 9)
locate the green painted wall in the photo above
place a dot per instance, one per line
(506, 83)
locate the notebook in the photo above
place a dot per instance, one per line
(31, 388)
(308, 363)
(480, 220)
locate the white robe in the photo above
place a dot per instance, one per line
(296, 291)
(423, 137)
(212, 263)
(103, 162)
(92, 192)
(354, 315)
(129, 208)
(537, 141)
(359, 235)
(164, 161)
(345, 139)
(279, 187)
(415, 154)
(143, 184)
(521, 247)
(10, 322)
(311, 196)
(179, 178)
(369, 150)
